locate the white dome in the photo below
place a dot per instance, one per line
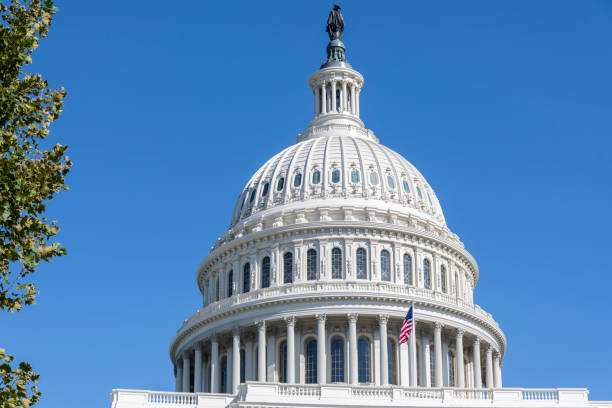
(338, 170)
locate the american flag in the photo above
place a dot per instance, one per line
(406, 327)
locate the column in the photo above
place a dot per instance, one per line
(438, 351)
(496, 371)
(489, 367)
(357, 103)
(197, 375)
(459, 355)
(344, 99)
(354, 377)
(235, 359)
(333, 97)
(214, 364)
(477, 370)
(353, 98)
(290, 349)
(426, 363)
(178, 386)
(205, 376)
(323, 98)
(249, 359)
(384, 361)
(321, 361)
(404, 363)
(413, 355)
(186, 372)
(271, 356)
(316, 101)
(261, 351)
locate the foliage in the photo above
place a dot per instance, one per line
(29, 175)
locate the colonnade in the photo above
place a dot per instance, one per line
(357, 349)
(329, 100)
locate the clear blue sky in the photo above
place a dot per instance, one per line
(505, 107)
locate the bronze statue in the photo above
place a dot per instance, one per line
(335, 24)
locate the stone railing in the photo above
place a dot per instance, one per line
(320, 288)
(256, 394)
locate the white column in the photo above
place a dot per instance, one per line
(413, 355)
(426, 363)
(271, 356)
(323, 98)
(186, 372)
(290, 349)
(354, 377)
(404, 363)
(384, 361)
(261, 351)
(316, 101)
(343, 108)
(353, 98)
(321, 339)
(235, 359)
(214, 364)
(459, 356)
(496, 371)
(477, 369)
(178, 386)
(333, 97)
(438, 351)
(197, 375)
(357, 103)
(489, 367)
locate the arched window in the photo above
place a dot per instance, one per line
(432, 366)
(288, 267)
(282, 372)
(297, 180)
(451, 369)
(280, 184)
(224, 374)
(385, 265)
(311, 264)
(407, 269)
(311, 362)
(391, 361)
(373, 178)
(363, 360)
(406, 186)
(355, 176)
(266, 187)
(242, 366)
(419, 193)
(443, 278)
(429, 198)
(362, 269)
(316, 177)
(335, 176)
(337, 360)
(426, 274)
(336, 263)
(252, 195)
(265, 272)
(230, 283)
(246, 278)
(391, 181)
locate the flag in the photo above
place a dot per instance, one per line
(406, 327)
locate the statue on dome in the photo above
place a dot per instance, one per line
(335, 24)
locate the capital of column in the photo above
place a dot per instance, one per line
(460, 333)
(261, 325)
(477, 341)
(236, 332)
(489, 349)
(321, 317)
(382, 319)
(438, 326)
(352, 317)
(290, 320)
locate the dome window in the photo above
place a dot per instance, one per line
(280, 184)
(355, 176)
(419, 193)
(335, 176)
(429, 198)
(316, 177)
(391, 182)
(297, 180)
(373, 178)
(252, 196)
(406, 186)
(266, 187)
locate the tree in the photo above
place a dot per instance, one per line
(30, 176)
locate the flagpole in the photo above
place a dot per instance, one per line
(413, 356)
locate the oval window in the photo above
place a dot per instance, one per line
(335, 176)
(265, 189)
(373, 178)
(391, 181)
(297, 180)
(355, 176)
(316, 177)
(406, 186)
(280, 184)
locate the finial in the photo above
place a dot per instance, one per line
(335, 48)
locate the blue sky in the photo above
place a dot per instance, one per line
(505, 107)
